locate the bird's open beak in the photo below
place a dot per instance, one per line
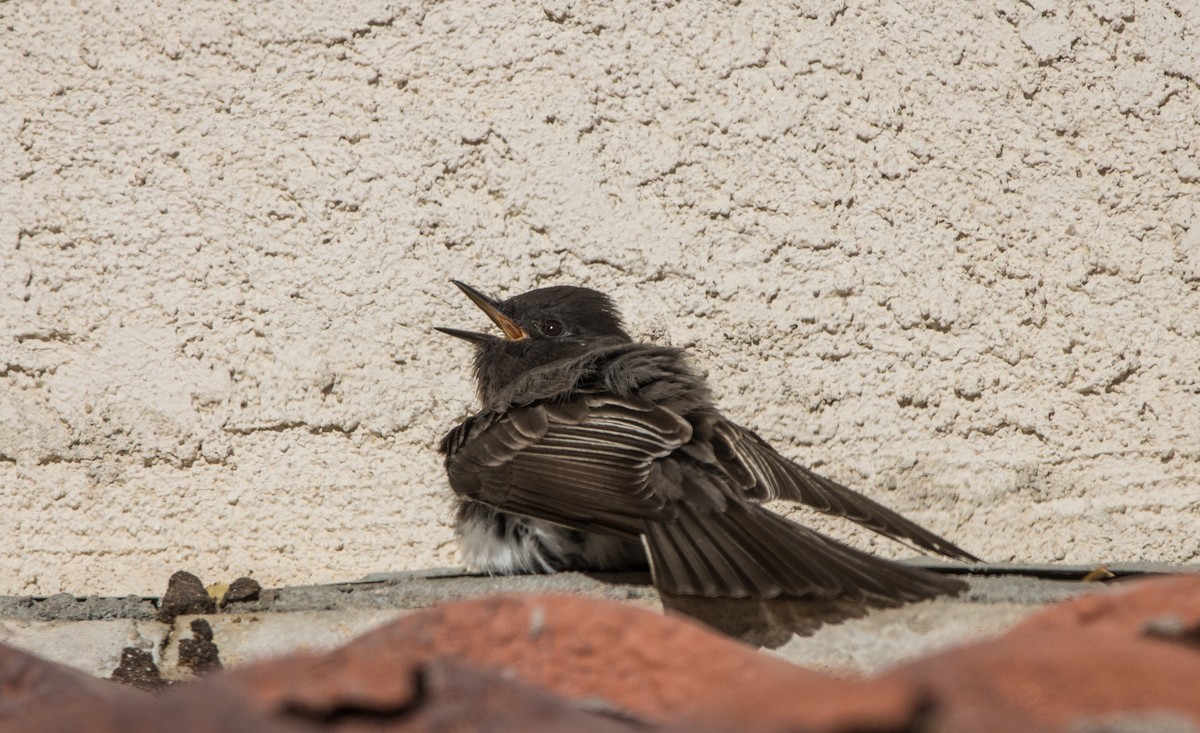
(510, 328)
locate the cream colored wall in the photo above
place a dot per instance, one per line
(946, 252)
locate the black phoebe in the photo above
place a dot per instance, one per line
(596, 452)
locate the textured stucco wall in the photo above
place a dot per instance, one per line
(946, 252)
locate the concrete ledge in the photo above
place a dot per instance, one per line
(90, 634)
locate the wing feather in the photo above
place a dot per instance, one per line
(587, 463)
(747, 550)
(769, 476)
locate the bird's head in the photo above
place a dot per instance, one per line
(539, 327)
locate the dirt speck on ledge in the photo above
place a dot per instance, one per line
(241, 590)
(137, 669)
(185, 595)
(199, 653)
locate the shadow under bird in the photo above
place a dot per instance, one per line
(595, 452)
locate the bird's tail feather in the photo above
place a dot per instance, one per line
(748, 551)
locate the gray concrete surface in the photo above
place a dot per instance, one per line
(89, 633)
(948, 253)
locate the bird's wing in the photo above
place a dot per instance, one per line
(767, 476)
(588, 463)
(748, 551)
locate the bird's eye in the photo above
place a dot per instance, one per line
(551, 328)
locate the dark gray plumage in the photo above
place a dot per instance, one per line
(592, 451)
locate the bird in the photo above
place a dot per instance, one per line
(593, 451)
